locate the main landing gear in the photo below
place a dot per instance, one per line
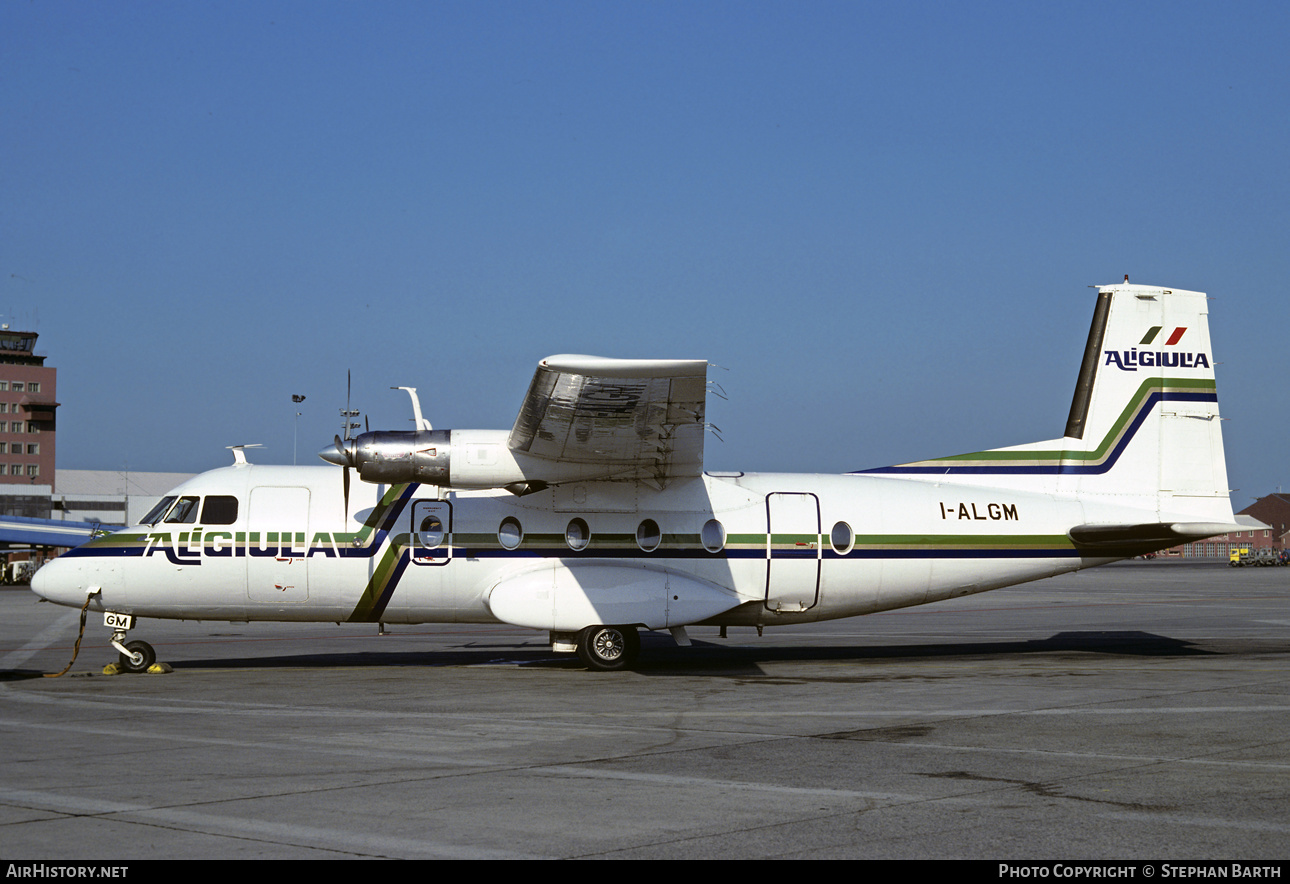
(608, 648)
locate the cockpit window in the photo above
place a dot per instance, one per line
(157, 511)
(184, 512)
(219, 509)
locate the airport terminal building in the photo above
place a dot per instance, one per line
(113, 497)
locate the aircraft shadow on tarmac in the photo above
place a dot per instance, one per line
(662, 657)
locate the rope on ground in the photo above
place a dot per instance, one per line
(79, 635)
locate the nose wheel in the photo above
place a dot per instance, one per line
(136, 656)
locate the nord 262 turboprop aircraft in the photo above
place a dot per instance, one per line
(592, 517)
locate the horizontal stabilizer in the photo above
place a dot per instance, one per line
(1146, 537)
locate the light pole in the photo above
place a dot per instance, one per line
(295, 437)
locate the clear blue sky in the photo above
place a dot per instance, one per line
(880, 218)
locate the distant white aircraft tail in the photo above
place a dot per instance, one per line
(1144, 426)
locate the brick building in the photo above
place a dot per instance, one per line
(1265, 526)
(27, 405)
(1273, 511)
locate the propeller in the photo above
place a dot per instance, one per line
(345, 478)
(397, 455)
(341, 453)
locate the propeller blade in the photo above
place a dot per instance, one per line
(346, 487)
(342, 456)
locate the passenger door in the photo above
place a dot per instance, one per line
(277, 545)
(792, 551)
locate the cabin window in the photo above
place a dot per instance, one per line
(430, 534)
(577, 534)
(842, 537)
(184, 511)
(648, 536)
(155, 514)
(219, 509)
(509, 533)
(713, 536)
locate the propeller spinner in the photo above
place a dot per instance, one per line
(341, 453)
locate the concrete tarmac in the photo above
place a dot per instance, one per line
(1135, 711)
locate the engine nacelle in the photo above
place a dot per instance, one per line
(393, 457)
(457, 458)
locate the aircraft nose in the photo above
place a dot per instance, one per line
(56, 582)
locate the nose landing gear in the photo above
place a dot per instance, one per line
(136, 656)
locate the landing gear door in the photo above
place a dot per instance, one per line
(431, 534)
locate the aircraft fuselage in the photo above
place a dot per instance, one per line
(784, 548)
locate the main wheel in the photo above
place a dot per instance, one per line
(607, 648)
(141, 656)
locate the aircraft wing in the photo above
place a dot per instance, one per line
(638, 418)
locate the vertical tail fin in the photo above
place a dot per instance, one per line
(1144, 424)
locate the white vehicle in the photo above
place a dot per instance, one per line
(592, 517)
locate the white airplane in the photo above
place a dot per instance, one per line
(592, 517)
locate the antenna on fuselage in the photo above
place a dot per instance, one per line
(417, 420)
(239, 452)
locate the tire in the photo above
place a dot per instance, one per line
(141, 656)
(608, 648)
